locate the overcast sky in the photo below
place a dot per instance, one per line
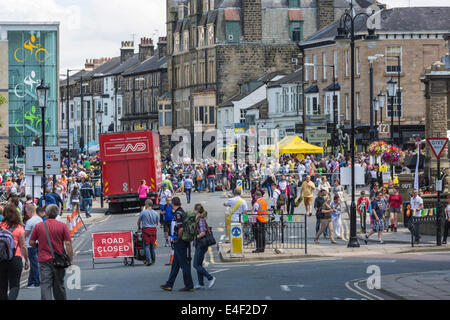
(95, 28)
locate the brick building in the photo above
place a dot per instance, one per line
(215, 45)
(417, 44)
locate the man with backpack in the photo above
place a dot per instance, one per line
(184, 232)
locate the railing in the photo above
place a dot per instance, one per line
(280, 232)
(415, 221)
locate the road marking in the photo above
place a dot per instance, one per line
(295, 261)
(220, 229)
(347, 285)
(373, 295)
(92, 287)
(285, 287)
(211, 255)
(217, 271)
(365, 293)
(268, 298)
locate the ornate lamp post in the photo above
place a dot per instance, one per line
(391, 92)
(345, 38)
(42, 94)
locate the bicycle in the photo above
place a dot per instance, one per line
(30, 46)
(31, 117)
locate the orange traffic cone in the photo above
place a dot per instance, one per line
(171, 258)
(69, 225)
(79, 223)
(74, 224)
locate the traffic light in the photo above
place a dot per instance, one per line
(8, 152)
(20, 151)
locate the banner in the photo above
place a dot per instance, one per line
(112, 245)
(416, 174)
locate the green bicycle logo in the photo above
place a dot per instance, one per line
(34, 120)
(21, 54)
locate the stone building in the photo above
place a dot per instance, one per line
(437, 108)
(417, 44)
(144, 84)
(215, 45)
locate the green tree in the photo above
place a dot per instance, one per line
(3, 101)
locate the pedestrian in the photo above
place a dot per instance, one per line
(238, 207)
(261, 212)
(33, 276)
(292, 195)
(167, 221)
(143, 193)
(256, 187)
(395, 204)
(447, 221)
(211, 173)
(325, 220)
(188, 184)
(307, 190)
(416, 203)
(11, 270)
(318, 204)
(385, 206)
(325, 185)
(87, 193)
(148, 223)
(48, 199)
(52, 278)
(336, 216)
(164, 193)
(181, 248)
(362, 207)
(75, 199)
(199, 256)
(377, 218)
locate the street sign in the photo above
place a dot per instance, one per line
(112, 245)
(384, 131)
(33, 165)
(437, 145)
(439, 185)
(236, 240)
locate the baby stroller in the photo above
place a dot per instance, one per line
(139, 254)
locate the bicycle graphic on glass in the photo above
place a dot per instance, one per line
(32, 120)
(21, 54)
(20, 90)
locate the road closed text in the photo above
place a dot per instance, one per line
(110, 245)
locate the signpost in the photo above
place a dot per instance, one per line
(236, 240)
(33, 166)
(438, 145)
(384, 131)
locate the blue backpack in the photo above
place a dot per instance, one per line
(7, 244)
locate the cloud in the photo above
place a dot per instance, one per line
(91, 28)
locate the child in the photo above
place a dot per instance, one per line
(336, 216)
(363, 204)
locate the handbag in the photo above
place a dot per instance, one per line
(60, 260)
(208, 240)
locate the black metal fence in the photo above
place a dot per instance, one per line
(280, 232)
(415, 222)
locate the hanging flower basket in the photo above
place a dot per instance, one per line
(393, 155)
(377, 148)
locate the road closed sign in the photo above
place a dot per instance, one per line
(112, 245)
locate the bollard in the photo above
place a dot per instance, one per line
(237, 249)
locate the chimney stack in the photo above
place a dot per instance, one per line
(325, 13)
(146, 49)
(162, 47)
(252, 20)
(126, 51)
(89, 65)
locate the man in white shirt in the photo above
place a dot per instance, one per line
(236, 210)
(416, 206)
(33, 276)
(301, 171)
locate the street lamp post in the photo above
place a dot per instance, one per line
(372, 59)
(42, 93)
(68, 112)
(381, 102)
(346, 34)
(99, 115)
(391, 91)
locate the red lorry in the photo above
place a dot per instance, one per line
(127, 159)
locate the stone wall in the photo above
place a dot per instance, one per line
(239, 63)
(252, 20)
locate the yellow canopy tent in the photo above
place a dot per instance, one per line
(294, 145)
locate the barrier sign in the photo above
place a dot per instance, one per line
(384, 168)
(112, 245)
(239, 185)
(236, 241)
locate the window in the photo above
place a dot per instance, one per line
(335, 62)
(358, 107)
(205, 5)
(347, 111)
(211, 34)
(391, 59)
(168, 118)
(71, 112)
(398, 110)
(296, 30)
(285, 100)
(212, 113)
(315, 105)
(211, 71)
(119, 106)
(161, 119)
(328, 109)
(357, 62)
(315, 67)
(294, 3)
(201, 36)
(176, 39)
(185, 41)
(306, 69)
(346, 63)
(324, 63)
(242, 117)
(233, 31)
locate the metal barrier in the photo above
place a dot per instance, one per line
(280, 232)
(414, 221)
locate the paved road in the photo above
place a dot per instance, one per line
(324, 278)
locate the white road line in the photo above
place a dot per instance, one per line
(296, 261)
(211, 255)
(217, 271)
(285, 288)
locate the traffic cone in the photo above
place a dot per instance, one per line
(69, 225)
(156, 243)
(171, 258)
(79, 223)
(74, 224)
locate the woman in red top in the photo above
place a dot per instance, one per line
(395, 202)
(10, 271)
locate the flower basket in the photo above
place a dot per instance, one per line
(377, 148)
(393, 155)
